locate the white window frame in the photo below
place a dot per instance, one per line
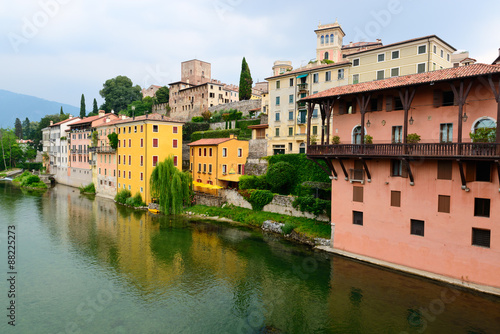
(353, 62)
(392, 54)
(353, 78)
(418, 47)
(380, 54)
(425, 68)
(399, 72)
(377, 72)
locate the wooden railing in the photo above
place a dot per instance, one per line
(437, 150)
(105, 149)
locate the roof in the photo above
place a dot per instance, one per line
(86, 120)
(310, 69)
(209, 141)
(258, 126)
(66, 120)
(360, 45)
(447, 74)
(403, 42)
(148, 117)
(496, 61)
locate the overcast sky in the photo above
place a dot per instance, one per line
(59, 49)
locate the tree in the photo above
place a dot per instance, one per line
(118, 93)
(18, 128)
(83, 112)
(26, 128)
(95, 110)
(162, 95)
(113, 140)
(281, 176)
(61, 113)
(44, 122)
(138, 108)
(245, 89)
(170, 186)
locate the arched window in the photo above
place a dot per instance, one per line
(302, 148)
(485, 123)
(326, 55)
(322, 39)
(331, 38)
(356, 135)
(327, 39)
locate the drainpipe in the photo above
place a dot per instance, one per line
(428, 54)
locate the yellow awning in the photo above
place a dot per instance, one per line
(205, 185)
(230, 178)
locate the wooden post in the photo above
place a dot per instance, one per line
(461, 97)
(310, 109)
(496, 92)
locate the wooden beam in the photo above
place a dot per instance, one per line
(368, 174)
(406, 95)
(331, 167)
(461, 97)
(498, 170)
(320, 166)
(497, 99)
(343, 169)
(310, 109)
(462, 174)
(323, 116)
(410, 174)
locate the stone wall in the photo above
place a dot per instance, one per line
(243, 106)
(256, 166)
(234, 198)
(77, 177)
(209, 200)
(257, 148)
(222, 125)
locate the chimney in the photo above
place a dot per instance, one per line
(51, 123)
(350, 44)
(107, 119)
(70, 116)
(379, 40)
(101, 113)
(124, 116)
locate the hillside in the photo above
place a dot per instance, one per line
(13, 105)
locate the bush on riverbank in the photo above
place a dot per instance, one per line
(122, 196)
(28, 180)
(88, 189)
(308, 227)
(135, 201)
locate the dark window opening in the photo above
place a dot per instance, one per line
(483, 171)
(481, 207)
(357, 218)
(444, 170)
(448, 98)
(481, 237)
(398, 105)
(417, 227)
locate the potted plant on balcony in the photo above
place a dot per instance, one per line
(413, 138)
(368, 139)
(314, 140)
(335, 140)
(483, 135)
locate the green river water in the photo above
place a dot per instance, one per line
(90, 266)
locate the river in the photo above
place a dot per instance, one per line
(86, 265)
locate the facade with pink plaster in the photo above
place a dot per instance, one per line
(431, 205)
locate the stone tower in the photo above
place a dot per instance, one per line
(195, 72)
(329, 41)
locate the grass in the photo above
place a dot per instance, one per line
(309, 227)
(27, 180)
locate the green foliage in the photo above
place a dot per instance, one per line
(83, 111)
(189, 128)
(327, 61)
(412, 138)
(245, 132)
(335, 140)
(232, 115)
(246, 82)
(113, 140)
(214, 134)
(95, 109)
(253, 182)
(10, 151)
(94, 139)
(483, 135)
(30, 180)
(314, 139)
(27, 128)
(197, 119)
(171, 187)
(280, 177)
(118, 93)
(288, 228)
(18, 128)
(122, 195)
(206, 115)
(308, 227)
(135, 201)
(368, 139)
(313, 205)
(26, 179)
(260, 198)
(88, 189)
(162, 95)
(36, 128)
(140, 107)
(61, 112)
(30, 165)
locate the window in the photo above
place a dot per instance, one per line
(129, 174)
(380, 75)
(446, 133)
(240, 169)
(224, 169)
(290, 115)
(224, 152)
(135, 129)
(395, 54)
(448, 98)
(397, 134)
(444, 203)
(398, 168)
(315, 130)
(434, 49)
(155, 160)
(129, 129)
(328, 76)
(315, 113)
(175, 160)
(277, 117)
(422, 49)
(355, 78)
(199, 168)
(210, 151)
(124, 143)
(290, 98)
(155, 128)
(174, 143)
(278, 84)
(357, 218)
(355, 62)
(142, 128)
(291, 82)
(142, 142)
(277, 132)
(142, 176)
(444, 170)
(302, 148)
(142, 160)
(290, 147)
(322, 39)
(481, 207)
(209, 168)
(381, 57)
(326, 53)
(478, 171)
(315, 78)
(395, 72)
(421, 68)
(481, 237)
(448, 57)
(442, 54)
(340, 74)
(277, 100)
(417, 227)
(357, 194)
(204, 168)
(290, 132)
(130, 143)
(240, 153)
(174, 129)
(155, 142)
(396, 198)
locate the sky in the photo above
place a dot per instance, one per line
(61, 49)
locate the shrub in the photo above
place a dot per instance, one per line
(88, 189)
(214, 134)
(483, 135)
(30, 180)
(190, 127)
(335, 140)
(122, 195)
(368, 139)
(288, 228)
(281, 177)
(136, 200)
(260, 198)
(113, 140)
(253, 182)
(412, 138)
(197, 119)
(313, 205)
(30, 165)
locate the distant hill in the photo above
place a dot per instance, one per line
(13, 105)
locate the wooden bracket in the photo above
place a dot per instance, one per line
(321, 166)
(330, 165)
(462, 175)
(410, 174)
(343, 169)
(367, 170)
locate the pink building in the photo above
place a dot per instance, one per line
(432, 205)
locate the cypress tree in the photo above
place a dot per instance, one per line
(82, 107)
(95, 110)
(245, 89)
(61, 113)
(18, 129)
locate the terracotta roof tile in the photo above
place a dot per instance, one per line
(310, 69)
(473, 70)
(209, 141)
(66, 120)
(86, 120)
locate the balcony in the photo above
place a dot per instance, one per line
(105, 149)
(301, 105)
(303, 87)
(486, 151)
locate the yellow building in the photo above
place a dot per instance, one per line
(218, 161)
(143, 142)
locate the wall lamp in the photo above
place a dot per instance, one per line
(465, 117)
(411, 120)
(368, 124)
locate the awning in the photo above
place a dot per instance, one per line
(230, 178)
(302, 76)
(203, 185)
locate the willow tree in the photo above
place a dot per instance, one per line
(170, 186)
